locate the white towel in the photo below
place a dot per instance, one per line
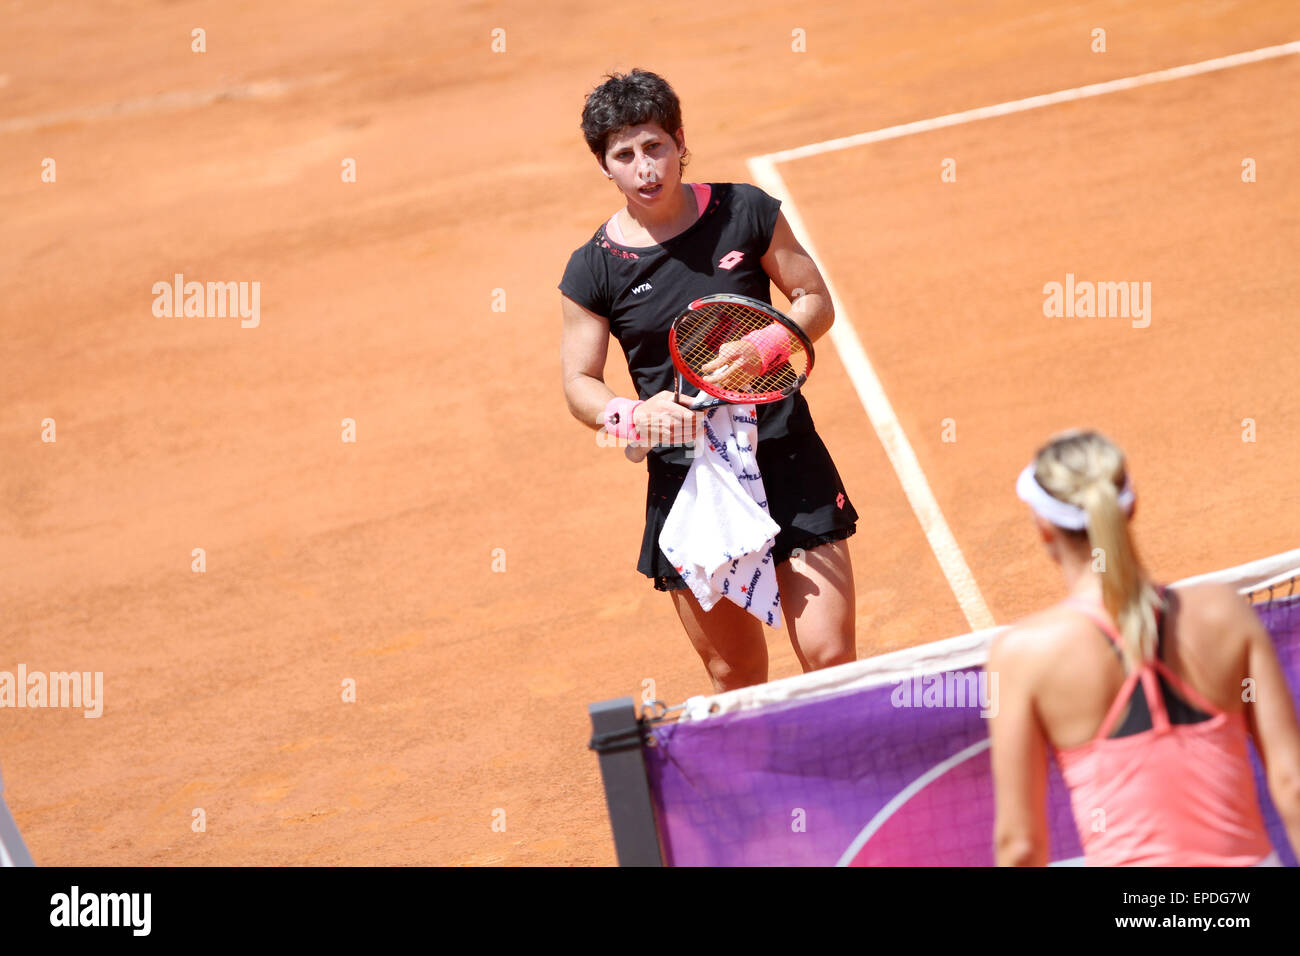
(719, 535)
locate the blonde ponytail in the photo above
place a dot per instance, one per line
(1086, 469)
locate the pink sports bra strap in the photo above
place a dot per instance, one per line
(1188, 692)
(1089, 610)
(1146, 673)
(1155, 700)
(1117, 706)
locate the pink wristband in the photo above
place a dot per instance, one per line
(618, 418)
(773, 344)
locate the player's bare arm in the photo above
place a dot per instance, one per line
(1270, 715)
(583, 349)
(1019, 755)
(793, 271)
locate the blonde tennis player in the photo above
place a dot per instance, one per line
(1145, 695)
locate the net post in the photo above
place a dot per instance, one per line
(616, 738)
(13, 852)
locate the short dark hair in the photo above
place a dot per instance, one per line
(629, 99)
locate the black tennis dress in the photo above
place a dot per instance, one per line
(640, 290)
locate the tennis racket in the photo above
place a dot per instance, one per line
(709, 349)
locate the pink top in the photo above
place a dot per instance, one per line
(1173, 795)
(702, 193)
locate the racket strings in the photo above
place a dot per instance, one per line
(703, 333)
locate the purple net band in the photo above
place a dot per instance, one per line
(892, 775)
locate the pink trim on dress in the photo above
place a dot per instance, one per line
(702, 193)
(612, 230)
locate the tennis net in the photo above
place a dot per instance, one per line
(881, 762)
(13, 852)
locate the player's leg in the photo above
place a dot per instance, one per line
(817, 601)
(728, 639)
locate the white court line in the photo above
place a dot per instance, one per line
(845, 338)
(872, 395)
(1034, 102)
(911, 790)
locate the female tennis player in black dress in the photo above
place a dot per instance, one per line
(671, 243)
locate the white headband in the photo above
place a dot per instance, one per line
(1058, 512)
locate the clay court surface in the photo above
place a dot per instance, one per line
(373, 561)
